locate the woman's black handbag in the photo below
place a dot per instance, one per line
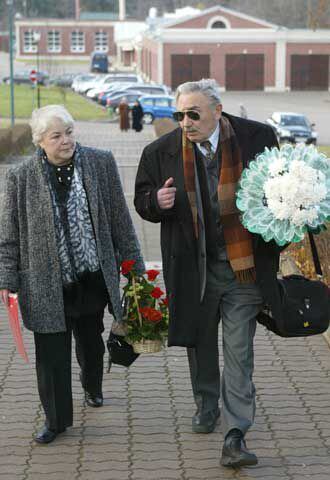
(305, 304)
(120, 352)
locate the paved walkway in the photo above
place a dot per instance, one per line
(143, 432)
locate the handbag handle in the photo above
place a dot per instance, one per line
(316, 259)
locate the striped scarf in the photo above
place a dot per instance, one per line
(237, 239)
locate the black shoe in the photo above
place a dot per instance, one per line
(205, 422)
(46, 435)
(234, 451)
(93, 399)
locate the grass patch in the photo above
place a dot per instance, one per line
(26, 101)
(324, 149)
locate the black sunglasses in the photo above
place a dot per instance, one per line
(179, 116)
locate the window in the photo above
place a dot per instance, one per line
(101, 42)
(218, 24)
(77, 41)
(161, 102)
(132, 98)
(30, 45)
(148, 101)
(53, 41)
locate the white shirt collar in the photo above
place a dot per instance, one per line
(213, 139)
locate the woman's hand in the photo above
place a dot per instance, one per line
(4, 295)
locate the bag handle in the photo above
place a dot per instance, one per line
(316, 258)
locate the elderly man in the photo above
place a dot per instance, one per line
(213, 267)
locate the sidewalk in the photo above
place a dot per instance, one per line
(143, 431)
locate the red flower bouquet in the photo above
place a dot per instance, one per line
(146, 310)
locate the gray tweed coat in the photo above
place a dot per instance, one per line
(29, 262)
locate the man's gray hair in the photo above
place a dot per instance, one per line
(206, 86)
(42, 119)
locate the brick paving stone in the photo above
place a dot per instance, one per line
(43, 459)
(37, 467)
(146, 449)
(304, 451)
(12, 470)
(301, 442)
(209, 473)
(12, 459)
(148, 464)
(52, 476)
(314, 476)
(295, 434)
(308, 469)
(159, 455)
(251, 476)
(142, 474)
(265, 452)
(262, 472)
(113, 475)
(279, 419)
(106, 465)
(95, 456)
(308, 460)
(9, 476)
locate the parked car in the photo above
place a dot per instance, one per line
(24, 78)
(65, 80)
(79, 83)
(110, 90)
(157, 106)
(99, 62)
(131, 97)
(292, 127)
(113, 78)
(107, 97)
(147, 88)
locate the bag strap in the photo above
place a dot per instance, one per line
(316, 259)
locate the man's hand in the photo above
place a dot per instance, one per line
(4, 297)
(166, 195)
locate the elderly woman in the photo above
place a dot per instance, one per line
(64, 224)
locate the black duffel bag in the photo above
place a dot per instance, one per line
(305, 304)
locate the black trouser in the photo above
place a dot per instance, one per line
(53, 364)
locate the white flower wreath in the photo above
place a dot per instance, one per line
(284, 192)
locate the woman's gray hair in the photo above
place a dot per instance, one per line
(206, 86)
(42, 118)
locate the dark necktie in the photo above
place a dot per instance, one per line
(208, 147)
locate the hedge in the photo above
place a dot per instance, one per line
(14, 140)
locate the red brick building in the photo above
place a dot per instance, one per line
(76, 39)
(241, 52)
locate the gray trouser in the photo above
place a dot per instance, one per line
(237, 305)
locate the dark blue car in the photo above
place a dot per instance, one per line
(99, 62)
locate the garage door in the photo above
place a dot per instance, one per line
(188, 68)
(245, 72)
(309, 72)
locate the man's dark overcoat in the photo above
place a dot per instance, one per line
(161, 160)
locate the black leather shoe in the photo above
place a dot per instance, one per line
(46, 435)
(205, 422)
(234, 451)
(93, 399)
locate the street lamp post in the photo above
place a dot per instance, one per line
(11, 60)
(36, 40)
